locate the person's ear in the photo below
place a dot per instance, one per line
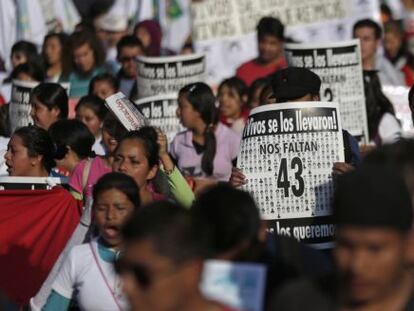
(152, 173)
(55, 112)
(262, 234)
(244, 98)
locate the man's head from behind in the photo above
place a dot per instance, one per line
(270, 33)
(373, 213)
(162, 263)
(295, 84)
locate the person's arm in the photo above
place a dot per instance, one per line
(179, 187)
(56, 301)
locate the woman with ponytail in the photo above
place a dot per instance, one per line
(207, 150)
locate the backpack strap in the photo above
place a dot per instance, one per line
(85, 173)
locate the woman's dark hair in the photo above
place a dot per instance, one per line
(62, 38)
(148, 136)
(113, 127)
(34, 70)
(106, 77)
(27, 48)
(257, 84)
(376, 102)
(120, 182)
(72, 133)
(94, 103)
(201, 97)
(37, 142)
(76, 40)
(236, 84)
(52, 95)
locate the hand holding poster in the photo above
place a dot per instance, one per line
(339, 66)
(125, 111)
(287, 154)
(161, 111)
(164, 75)
(19, 109)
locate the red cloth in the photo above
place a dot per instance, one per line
(409, 75)
(252, 70)
(34, 228)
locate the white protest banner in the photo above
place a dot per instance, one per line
(161, 112)
(339, 66)
(164, 75)
(237, 285)
(225, 30)
(287, 153)
(398, 96)
(30, 183)
(19, 109)
(125, 111)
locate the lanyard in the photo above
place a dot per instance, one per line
(95, 256)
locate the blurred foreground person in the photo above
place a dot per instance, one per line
(372, 210)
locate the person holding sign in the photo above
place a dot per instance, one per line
(30, 153)
(270, 33)
(207, 150)
(49, 103)
(373, 212)
(88, 270)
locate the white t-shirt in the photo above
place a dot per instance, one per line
(80, 274)
(98, 147)
(389, 129)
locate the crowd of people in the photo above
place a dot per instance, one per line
(161, 209)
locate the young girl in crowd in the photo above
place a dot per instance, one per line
(255, 90)
(49, 103)
(207, 150)
(52, 52)
(232, 96)
(103, 85)
(139, 154)
(84, 60)
(30, 153)
(91, 110)
(23, 52)
(88, 270)
(89, 170)
(73, 148)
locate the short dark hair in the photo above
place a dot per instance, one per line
(129, 41)
(52, 95)
(107, 77)
(27, 48)
(113, 127)
(120, 182)
(270, 26)
(32, 69)
(370, 24)
(235, 83)
(169, 228)
(72, 133)
(94, 103)
(227, 216)
(37, 142)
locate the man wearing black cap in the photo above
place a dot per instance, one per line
(373, 214)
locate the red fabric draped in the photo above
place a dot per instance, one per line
(34, 228)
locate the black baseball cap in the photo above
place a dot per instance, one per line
(294, 82)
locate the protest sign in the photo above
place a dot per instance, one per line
(227, 28)
(339, 66)
(126, 112)
(161, 112)
(19, 109)
(287, 153)
(237, 285)
(164, 75)
(30, 183)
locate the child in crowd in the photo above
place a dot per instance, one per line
(49, 103)
(88, 270)
(232, 96)
(207, 149)
(255, 90)
(91, 110)
(103, 85)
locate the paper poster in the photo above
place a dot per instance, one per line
(164, 75)
(30, 183)
(226, 30)
(20, 107)
(237, 285)
(287, 153)
(339, 66)
(126, 112)
(398, 96)
(161, 112)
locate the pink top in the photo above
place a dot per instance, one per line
(97, 170)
